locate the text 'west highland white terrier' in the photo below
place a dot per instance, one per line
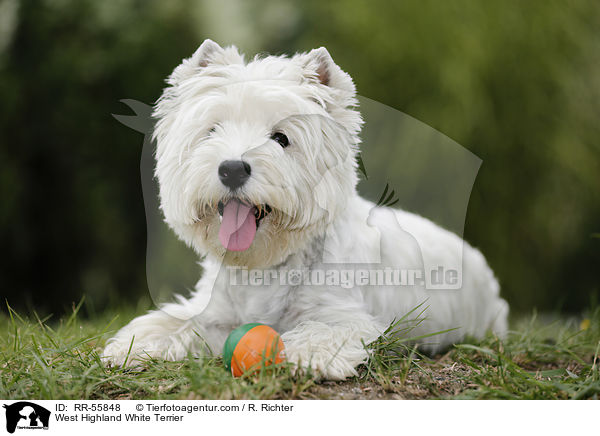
(257, 168)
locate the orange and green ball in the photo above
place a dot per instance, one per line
(250, 346)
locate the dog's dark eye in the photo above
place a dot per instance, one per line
(281, 139)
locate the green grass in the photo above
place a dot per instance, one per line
(540, 359)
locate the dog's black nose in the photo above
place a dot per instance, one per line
(234, 173)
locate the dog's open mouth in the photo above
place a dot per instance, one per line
(239, 222)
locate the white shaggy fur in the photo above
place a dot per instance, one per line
(217, 107)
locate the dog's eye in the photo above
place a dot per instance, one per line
(212, 130)
(281, 139)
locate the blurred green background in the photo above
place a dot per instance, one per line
(517, 83)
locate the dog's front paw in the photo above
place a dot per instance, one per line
(323, 364)
(331, 353)
(127, 349)
(120, 353)
(154, 335)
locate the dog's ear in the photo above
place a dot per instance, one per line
(318, 66)
(207, 50)
(209, 53)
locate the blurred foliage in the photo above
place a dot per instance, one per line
(516, 83)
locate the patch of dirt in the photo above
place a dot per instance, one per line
(438, 379)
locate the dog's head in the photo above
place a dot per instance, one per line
(255, 158)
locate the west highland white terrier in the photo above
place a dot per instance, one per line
(257, 167)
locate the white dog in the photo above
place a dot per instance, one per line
(257, 169)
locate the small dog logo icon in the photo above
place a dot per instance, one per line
(26, 415)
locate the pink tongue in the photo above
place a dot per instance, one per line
(238, 226)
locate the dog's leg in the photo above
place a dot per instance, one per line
(158, 335)
(190, 327)
(331, 350)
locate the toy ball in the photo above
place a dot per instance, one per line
(249, 345)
